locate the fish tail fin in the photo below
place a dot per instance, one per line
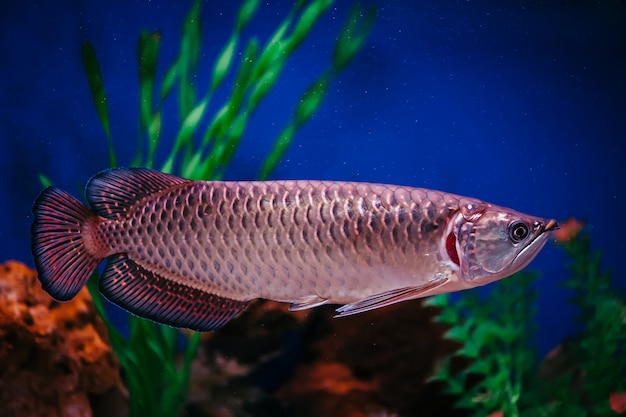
(62, 261)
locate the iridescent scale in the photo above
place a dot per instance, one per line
(285, 240)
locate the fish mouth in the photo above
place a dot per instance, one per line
(550, 226)
(527, 254)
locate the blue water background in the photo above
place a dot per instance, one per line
(521, 104)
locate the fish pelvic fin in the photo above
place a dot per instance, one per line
(390, 297)
(306, 302)
(112, 192)
(152, 296)
(62, 261)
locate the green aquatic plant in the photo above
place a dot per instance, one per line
(156, 375)
(495, 340)
(585, 376)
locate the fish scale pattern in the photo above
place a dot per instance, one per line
(285, 240)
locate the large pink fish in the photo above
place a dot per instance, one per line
(195, 253)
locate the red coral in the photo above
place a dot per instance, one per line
(618, 402)
(568, 229)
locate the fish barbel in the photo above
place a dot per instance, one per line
(194, 253)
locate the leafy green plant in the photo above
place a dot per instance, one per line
(156, 379)
(495, 337)
(502, 377)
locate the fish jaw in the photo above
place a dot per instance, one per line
(491, 242)
(543, 229)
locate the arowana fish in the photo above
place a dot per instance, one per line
(194, 253)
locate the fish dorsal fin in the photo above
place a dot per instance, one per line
(112, 192)
(390, 297)
(154, 297)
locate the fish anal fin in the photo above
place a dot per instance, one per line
(307, 301)
(112, 192)
(149, 295)
(390, 297)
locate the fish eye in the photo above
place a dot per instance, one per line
(518, 231)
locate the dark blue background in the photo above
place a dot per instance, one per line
(518, 103)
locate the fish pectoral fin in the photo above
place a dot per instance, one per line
(307, 301)
(390, 297)
(152, 296)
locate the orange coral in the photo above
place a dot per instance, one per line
(334, 378)
(53, 356)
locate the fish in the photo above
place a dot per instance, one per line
(194, 254)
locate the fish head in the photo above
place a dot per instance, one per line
(490, 242)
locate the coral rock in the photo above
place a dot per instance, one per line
(54, 357)
(270, 362)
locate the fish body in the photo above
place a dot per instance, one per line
(195, 253)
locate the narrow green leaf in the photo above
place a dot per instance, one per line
(157, 350)
(234, 137)
(306, 22)
(186, 96)
(169, 339)
(168, 165)
(241, 84)
(510, 332)
(458, 333)
(218, 125)
(471, 349)
(223, 63)
(154, 133)
(147, 56)
(273, 51)
(191, 169)
(246, 11)
(442, 371)
(353, 36)
(311, 100)
(188, 60)
(45, 181)
(98, 94)
(276, 154)
(170, 78)
(486, 332)
(479, 367)
(298, 5)
(171, 401)
(185, 134)
(263, 86)
(191, 122)
(191, 35)
(439, 300)
(449, 316)
(454, 387)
